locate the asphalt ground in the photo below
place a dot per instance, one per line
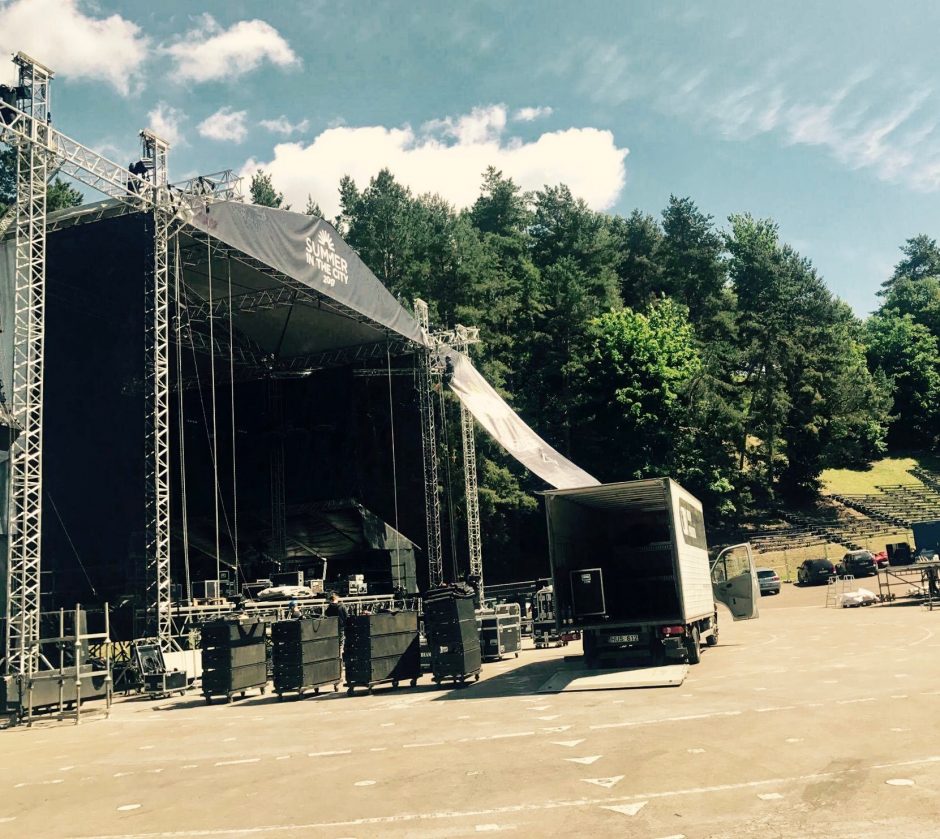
(809, 722)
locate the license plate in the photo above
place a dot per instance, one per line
(623, 639)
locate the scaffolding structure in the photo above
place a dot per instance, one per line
(431, 367)
(432, 500)
(42, 151)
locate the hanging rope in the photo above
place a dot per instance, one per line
(231, 373)
(391, 413)
(450, 492)
(182, 419)
(202, 404)
(215, 459)
(65, 530)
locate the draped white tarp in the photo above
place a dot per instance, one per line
(508, 429)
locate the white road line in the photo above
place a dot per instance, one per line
(506, 809)
(125, 807)
(507, 736)
(770, 796)
(916, 762)
(854, 701)
(37, 783)
(423, 745)
(237, 762)
(330, 754)
(685, 718)
(627, 809)
(900, 782)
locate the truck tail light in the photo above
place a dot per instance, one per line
(667, 631)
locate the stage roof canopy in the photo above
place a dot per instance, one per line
(297, 299)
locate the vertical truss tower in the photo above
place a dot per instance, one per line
(463, 337)
(157, 389)
(25, 527)
(432, 499)
(42, 151)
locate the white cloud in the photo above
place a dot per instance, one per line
(448, 156)
(882, 122)
(209, 52)
(164, 121)
(529, 114)
(282, 125)
(225, 124)
(75, 45)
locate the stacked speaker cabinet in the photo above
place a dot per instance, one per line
(382, 648)
(234, 658)
(306, 655)
(451, 628)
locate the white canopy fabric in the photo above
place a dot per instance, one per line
(508, 429)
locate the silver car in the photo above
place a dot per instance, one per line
(769, 581)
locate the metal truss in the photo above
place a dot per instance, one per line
(157, 392)
(244, 352)
(41, 151)
(277, 471)
(462, 337)
(342, 356)
(432, 500)
(25, 527)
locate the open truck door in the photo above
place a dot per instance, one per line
(734, 582)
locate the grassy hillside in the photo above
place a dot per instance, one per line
(891, 470)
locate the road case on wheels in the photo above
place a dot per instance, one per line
(500, 631)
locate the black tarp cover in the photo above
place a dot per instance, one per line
(311, 251)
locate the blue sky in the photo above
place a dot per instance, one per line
(825, 119)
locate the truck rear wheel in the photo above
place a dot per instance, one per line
(692, 645)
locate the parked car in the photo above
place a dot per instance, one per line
(858, 564)
(769, 581)
(813, 571)
(881, 559)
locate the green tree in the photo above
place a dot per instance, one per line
(61, 195)
(313, 208)
(638, 239)
(693, 269)
(796, 359)
(918, 298)
(379, 223)
(921, 259)
(909, 356)
(502, 206)
(263, 193)
(7, 179)
(640, 367)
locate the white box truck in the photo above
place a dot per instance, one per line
(631, 571)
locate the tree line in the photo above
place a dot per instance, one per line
(642, 346)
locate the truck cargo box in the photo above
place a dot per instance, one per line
(630, 568)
